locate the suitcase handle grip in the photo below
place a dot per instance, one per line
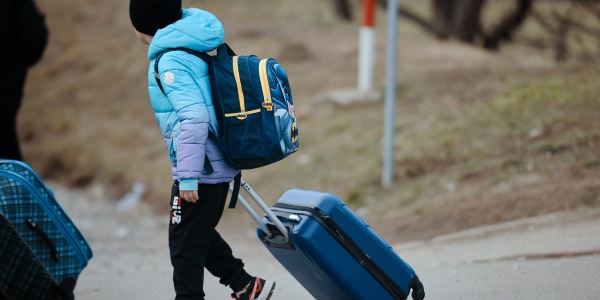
(264, 208)
(53, 252)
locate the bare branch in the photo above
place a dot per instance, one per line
(592, 6)
(542, 20)
(533, 42)
(585, 29)
(508, 25)
(411, 16)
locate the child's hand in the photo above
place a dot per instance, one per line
(189, 196)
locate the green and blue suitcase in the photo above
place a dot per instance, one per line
(22, 274)
(42, 224)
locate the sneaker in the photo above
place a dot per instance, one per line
(257, 289)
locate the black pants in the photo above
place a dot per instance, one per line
(11, 94)
(8, 135)
(194, 243)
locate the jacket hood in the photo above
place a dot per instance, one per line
(197, 30)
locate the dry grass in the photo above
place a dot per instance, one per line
(480, 137)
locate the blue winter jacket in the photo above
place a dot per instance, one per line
(186, 114)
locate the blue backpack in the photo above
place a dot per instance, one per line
(253, 103)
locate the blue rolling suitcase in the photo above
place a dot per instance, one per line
(42, 223)
(331, 251)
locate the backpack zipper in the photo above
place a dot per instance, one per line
(264, 83)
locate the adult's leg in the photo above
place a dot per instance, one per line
(11, 93)
(8, 135)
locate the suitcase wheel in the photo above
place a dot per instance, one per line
(418, 292)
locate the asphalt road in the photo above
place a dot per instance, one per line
(553, 256)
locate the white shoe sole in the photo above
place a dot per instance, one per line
(267, 291)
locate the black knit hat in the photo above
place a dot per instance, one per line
(148, 16)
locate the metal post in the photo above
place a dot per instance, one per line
(390, 96)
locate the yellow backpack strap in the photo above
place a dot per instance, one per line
(238, 83)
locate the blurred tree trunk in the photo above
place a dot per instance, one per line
(443, 13)
(466, 23)
(342, 9)
(457, 19)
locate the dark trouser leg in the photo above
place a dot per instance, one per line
(194, 243)
(11, 94)
(8, 134)
(220, 261)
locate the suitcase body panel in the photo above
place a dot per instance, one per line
(22, 275)
(41, 222)
(333, 253)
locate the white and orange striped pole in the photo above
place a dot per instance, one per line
(366, 57)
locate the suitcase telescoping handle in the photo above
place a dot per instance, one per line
(263, 207)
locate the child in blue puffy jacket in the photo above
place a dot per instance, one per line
(185, 114)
